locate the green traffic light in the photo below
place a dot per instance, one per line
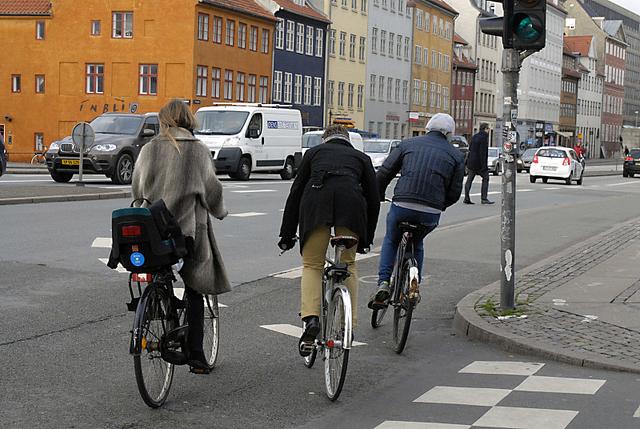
(527, 28)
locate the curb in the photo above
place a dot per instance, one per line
(468, 323)
(64, 198)
(26, 171)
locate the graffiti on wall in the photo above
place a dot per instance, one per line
(119, 105)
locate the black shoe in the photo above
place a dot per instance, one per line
(468, 201)
(311, 331)
(487, 202)
(198, 363)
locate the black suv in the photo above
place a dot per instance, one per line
(631, 165)
(119, 138)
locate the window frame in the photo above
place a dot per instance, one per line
(216, 82)
(123, 21)
(202, 76)
(147, 78)
(96, 27)
(97, 78)
(230, 32)
(40, 30)
(203, 26)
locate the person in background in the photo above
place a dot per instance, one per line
(477, 164)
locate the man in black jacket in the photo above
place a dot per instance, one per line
(477, 164)
(432, 171)
(3, 161)
(335, 187)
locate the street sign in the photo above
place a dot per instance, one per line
(82, 136)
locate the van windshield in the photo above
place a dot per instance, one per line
(222, 122)
(311, 140)
(116, 124)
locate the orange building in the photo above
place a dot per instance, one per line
(66, 63)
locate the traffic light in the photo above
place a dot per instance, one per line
(522, 26)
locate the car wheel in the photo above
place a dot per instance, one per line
(569, 179)
(244, 169)
(124, 170)
(532, 179)
(545, 179)
(287, 172)
(61, 177)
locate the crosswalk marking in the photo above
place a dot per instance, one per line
(253, 191)
(295, 331)
(247, 214)
(102, 242)
(293, 273)
(637, 413)
(621, 184)
(526, 418)
(502, 368)
(119, 268)
(394, 424)
(551, 188)
(464, 396)
(578, 386)
(179, 293)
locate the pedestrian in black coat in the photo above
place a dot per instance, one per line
(3, 161)
(477, 164)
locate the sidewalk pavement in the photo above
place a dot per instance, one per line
(580, 306)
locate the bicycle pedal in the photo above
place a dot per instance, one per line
(200, 371)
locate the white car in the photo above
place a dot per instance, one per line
(556, 162)
(379, 149)
(314, 138)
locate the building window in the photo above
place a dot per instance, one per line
(242, 35)
(231, 31)
(264, 89)
(277, 86)
(416, 91)
(300, 39)
(381, 88)
(38, 141)
(407, 44)
(397, 92)
(360, 96)
(383, 42)
(291, 29)
(122, 25)
(95, 28)
(239, 86)
(319, 42)
(288, 81)
(307, 90)
(215, 82)
(265, 41)
(405, 91)
(389, 88)
(253, 39)
(425, 90)
(350, 92)
(427, 22)
(148, 80)
(39, 84)
(203, 26)
(419, 17)
(417, 58)
(399, 47)
(372, 87)
(228, 84)
(297, 90)
(95, 79)
(252, 88)
(309, 38)
(317, 91)
(39, 30)
(201, 81)
(280, 34)
(340, 94)
(343, 43)
(374, 40)
(332, 42)
(433, 94)
(216, 36)
(352, 46)
(362, 48)
(330, 93)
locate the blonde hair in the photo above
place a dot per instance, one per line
(175, 114)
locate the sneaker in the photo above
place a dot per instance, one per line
(311, 331)
(379, 299)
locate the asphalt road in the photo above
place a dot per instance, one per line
(64, 326)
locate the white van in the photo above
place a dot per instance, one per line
(314, 138)
(244, 138)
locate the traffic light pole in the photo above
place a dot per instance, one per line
(511, 63)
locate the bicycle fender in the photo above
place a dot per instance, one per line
(348, 326)
(135, 346)
(414, 275)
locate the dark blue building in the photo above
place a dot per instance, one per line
(299, 58)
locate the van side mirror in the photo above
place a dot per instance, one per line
(254, 133)
(147, 132)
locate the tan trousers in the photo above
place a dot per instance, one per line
(313, 258)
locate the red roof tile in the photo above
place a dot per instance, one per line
(458, 39)
(306, 10)
(578, 44)
(25, 7)
(246, 7)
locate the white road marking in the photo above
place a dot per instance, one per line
(119, 268)
(394, 424)
(179, 293)
(293, 273)
(551, 188)
(247, 214)
(253, 191)
(478, 194)
(621, 184)
(578, 386)
(360, 257)
(526, 418)
(464, 396)
(637, 413)
(502, 368)
(102, 242)
(295, 331)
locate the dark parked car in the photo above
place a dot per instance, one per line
(631, 163)
(461, 143)
(527, 157)
(119, 138)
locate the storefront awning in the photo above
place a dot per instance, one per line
(566, 134)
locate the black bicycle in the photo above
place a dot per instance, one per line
(404, 284)
(160, 330)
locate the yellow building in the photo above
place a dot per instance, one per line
(70, 63)
(346, 64)
(433, 29)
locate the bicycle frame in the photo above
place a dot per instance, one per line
(333, 277)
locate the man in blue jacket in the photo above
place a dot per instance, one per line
(432, 171)
(477, 164)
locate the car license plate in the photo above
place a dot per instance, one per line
(546, 167)
(70, 162)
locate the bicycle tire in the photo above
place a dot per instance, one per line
(377, 316)
(403, 308)
(34, 160)
(211, 337)
(152, 327)
(336, 358)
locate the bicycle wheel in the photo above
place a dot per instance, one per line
(403, 308)
(336, 357)
(211, 336)
(153, 374)
(377, 316)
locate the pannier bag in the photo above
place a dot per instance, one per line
(145, 240)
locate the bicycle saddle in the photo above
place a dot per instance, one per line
(416, 228)
(344, 240)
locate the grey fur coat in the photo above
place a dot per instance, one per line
(187, 182)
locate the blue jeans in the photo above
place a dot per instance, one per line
(393, 237)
